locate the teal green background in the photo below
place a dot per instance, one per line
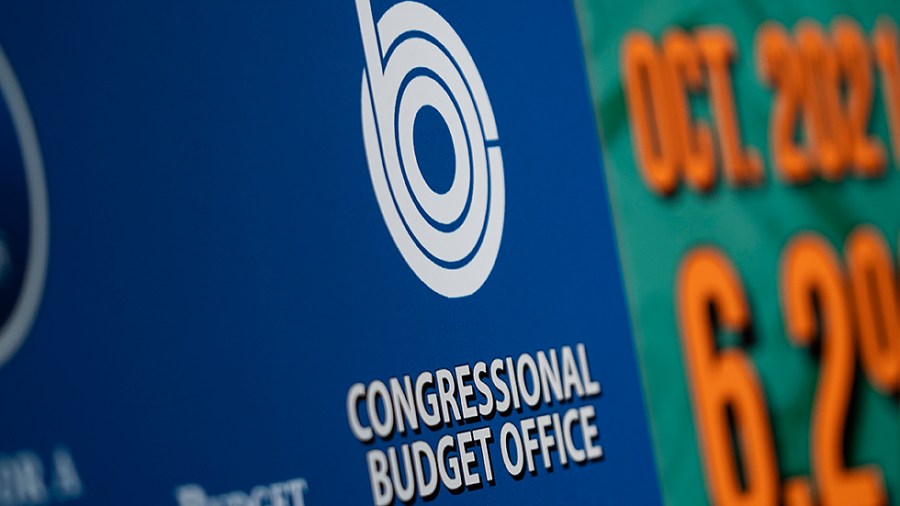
(751, 226)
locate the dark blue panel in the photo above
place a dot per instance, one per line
(220, 272)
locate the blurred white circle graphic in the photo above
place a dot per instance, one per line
(17, 325)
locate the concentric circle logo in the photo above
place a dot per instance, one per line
(24, 222)
(416, 60)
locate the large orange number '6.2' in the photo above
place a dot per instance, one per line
(817, 306)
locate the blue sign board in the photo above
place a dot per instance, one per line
(282, 253)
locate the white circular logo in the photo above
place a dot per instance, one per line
(414, 59)
(31, 238)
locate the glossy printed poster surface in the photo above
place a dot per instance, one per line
(334, 253)
(752, 151)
